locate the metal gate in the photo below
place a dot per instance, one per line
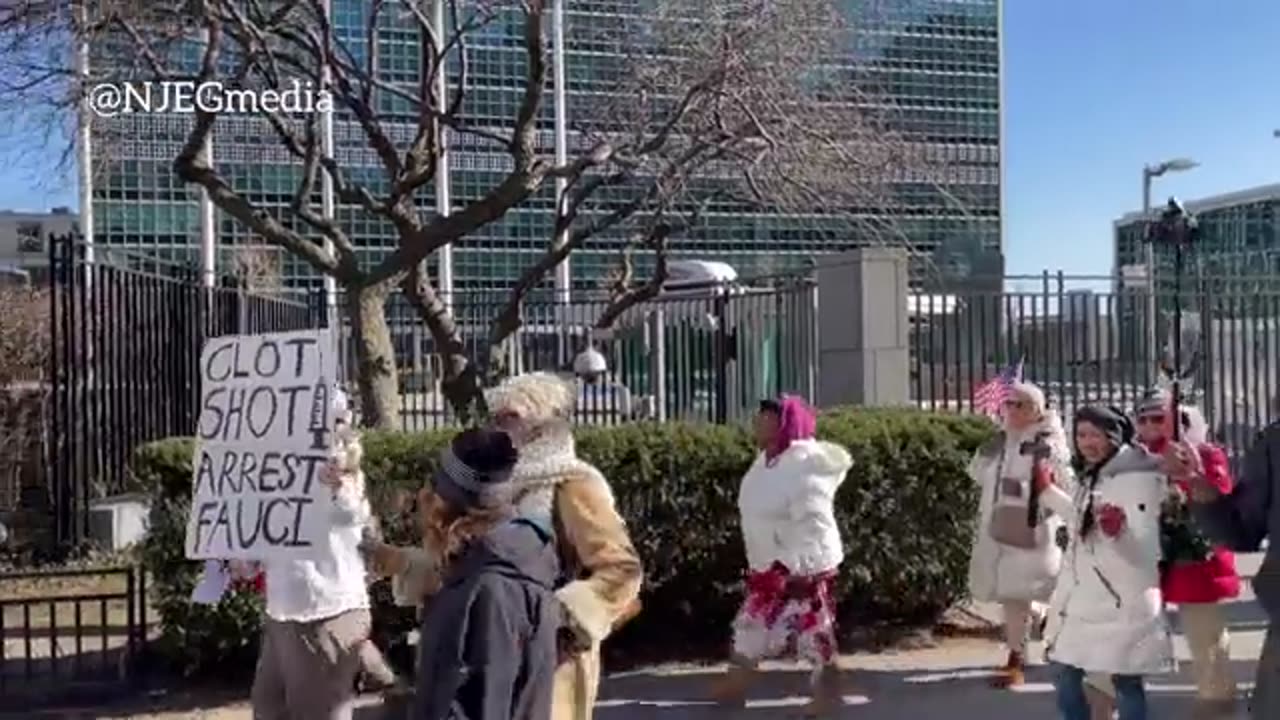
(70, 635)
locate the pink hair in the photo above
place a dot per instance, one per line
(797, 421)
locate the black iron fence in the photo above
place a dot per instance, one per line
(705, 354)
(126, 331)
(1087, 341)
(70, 634)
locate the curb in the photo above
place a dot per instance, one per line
(965, 621)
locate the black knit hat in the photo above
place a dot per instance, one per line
(1111, 420)
(475, 470)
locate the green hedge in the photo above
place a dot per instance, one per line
(905, 514)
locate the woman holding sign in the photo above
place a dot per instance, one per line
(601, 572)
(315, 635)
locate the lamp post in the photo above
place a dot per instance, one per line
(1149, 173)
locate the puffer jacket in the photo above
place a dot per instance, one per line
(788, 508)
(1107, 611)
(1214, 579)
(998, 572)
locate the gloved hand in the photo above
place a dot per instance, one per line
(1111, 520)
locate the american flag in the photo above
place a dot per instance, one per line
(990, 396)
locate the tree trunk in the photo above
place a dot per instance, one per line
(375, 358)
(461, 384)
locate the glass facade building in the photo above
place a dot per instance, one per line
(935, 63)
(1238, 249)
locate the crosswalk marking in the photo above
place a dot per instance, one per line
(966, 674)
(1152, 687)
(762, 704)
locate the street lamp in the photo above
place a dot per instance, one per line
(1155, 171)
(1148, 173)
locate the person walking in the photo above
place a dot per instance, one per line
(487, 648)
(1243, 519)
(1197, 576)
(794, 551)
(601, 573)
(1016, 555)
(315, 637)
(1107, 615)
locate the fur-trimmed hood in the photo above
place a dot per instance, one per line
(822, 458)
(1130, 459)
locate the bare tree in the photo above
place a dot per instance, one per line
(24, 353)
(716, 103)
(726, 104)
(258, 270)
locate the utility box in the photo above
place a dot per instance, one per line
(119, 521)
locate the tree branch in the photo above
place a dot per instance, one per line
(626, 298)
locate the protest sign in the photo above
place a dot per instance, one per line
(265, 428)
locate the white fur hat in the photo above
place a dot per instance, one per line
(537, 397)
(1032, 393)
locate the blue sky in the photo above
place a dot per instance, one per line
(1093, 90)
(1096, 88)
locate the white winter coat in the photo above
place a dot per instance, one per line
(1107, 616)
(998, 572)
(788, 508)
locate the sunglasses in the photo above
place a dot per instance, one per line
(1017, 404)
(1150, 419)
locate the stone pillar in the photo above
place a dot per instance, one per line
(863, 331)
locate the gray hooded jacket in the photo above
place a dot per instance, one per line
(488, 644)
(1251, 513)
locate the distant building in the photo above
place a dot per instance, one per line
(1231, 317)
(939, 63)
(24, 238)
(1239, 249)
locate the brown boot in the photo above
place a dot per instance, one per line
(827, 695)
(1012, 674)
(730, 690)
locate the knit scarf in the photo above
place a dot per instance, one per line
(544, 463)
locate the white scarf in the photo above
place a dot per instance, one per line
(545, 463)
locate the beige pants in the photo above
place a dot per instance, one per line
(576, 683)
(307, 671)
(1018, 616)
(1206, 632)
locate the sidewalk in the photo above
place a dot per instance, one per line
(942, 676)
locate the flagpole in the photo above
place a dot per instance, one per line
(1180, 229)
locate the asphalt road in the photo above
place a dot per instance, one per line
(948, 681)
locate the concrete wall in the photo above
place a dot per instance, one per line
(863, 328)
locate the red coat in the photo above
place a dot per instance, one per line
(1214, 579)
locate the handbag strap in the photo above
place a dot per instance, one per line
(995, 498)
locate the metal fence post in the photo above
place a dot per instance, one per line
(658, 363)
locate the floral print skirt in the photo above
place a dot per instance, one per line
(786, 615)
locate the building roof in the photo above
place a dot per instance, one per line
(1213, 202)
